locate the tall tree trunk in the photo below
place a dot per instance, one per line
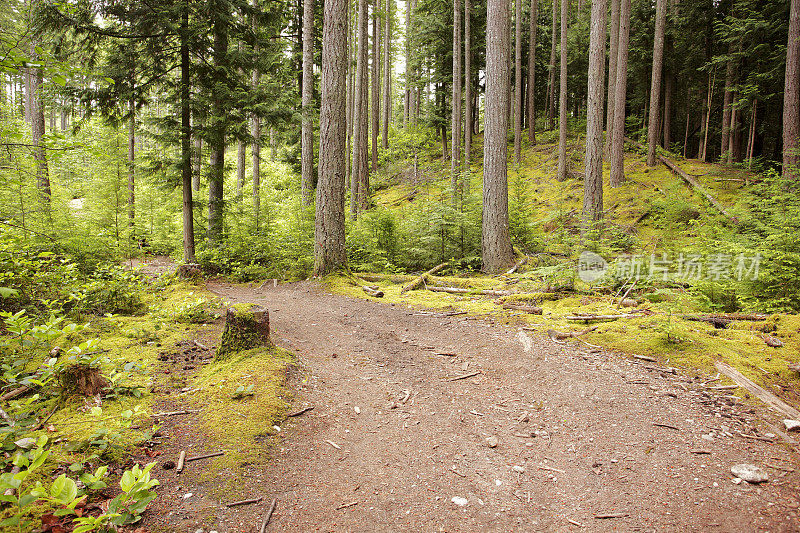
(256, 132)
(350, 86)
(186, 139)
(307, 132)
(707, 115)
(329, 243)
(387, 72)
(241, 165)
(532, 71)
(551, 81)
(198, 153)
(620, 90)
(132, 165)
(727, 100)
(732, 131)
(562, 97)
(358, 114)
(613, 52)
(216, 171)
(468, 106)
(407, 97)
(791, 94)
(751, 138)
(37, 132)
(455, 116)
(375, 91)
(669, 80)
(496, 248)
(593, 182)
(655, 81)
(363, 185)
(517, 82)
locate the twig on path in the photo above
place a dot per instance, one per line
(244, 502)
(268, 516)
(334, 444)
(206, 456)
(301, 411)
(668, 426)
(346, 505)
(610, 515)
(465, 376)
(754, 437)
(551, 469)
(574, 523)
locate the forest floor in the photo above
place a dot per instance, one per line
(586, 439)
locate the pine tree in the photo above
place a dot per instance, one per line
(593, 182)
(307, 133)
(791, 94)
(655, 83)
(562, 98)
(620, 90)
(531, 107)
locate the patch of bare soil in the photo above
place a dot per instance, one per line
(428, 422)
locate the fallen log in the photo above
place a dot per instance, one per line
(761, 393)
(532, 309)
(721, 321)
(10, 395)
(558, 335)
(696, 186)
(603, 317)
(420, 280)
(459, 290)
(516, 267)
(372, 291)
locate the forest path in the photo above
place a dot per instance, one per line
(596, 451)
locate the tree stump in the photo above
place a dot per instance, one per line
(83, 380)
(246, 327)
(190, 271)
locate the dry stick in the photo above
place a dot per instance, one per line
(460, 290)
(754, 437)
(244, 502)
(176, 413)
(645, 358)
(41, 424)
(465, 376)
(541, 467)
(346, 505)
(206, 456)
(574, 523)
(762, 394)
(10, 395)
(519, 264)
(181, 460)
(421, 279)
(610, 515)
(268, 516)
(659, 424)
(626, 294)
(301, 411)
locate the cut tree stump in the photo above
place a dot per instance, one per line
(82, 379)
(190, 271)
(246, 327)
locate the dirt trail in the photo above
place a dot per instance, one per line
(576, 431)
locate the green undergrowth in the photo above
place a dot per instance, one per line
(242, 398)
(660, 333)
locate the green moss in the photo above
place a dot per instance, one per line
(243, 426)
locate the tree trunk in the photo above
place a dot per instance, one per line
(791, 94)
(198, 153)
(551, 81)
(752, 136)
(620, 90)
(517, 82)
(655, 82)
(387, 72)
(532, 71)
(37, 132)
(256, 125)
(732, 131)
(727, 100)
(707, 116)
(132, 165)
(241, 165)
(407, 96)
(216, 171)
(562, 97)
(358, 113)
(329, 245)
(468, 111)
(375, 76)
(455, 116)
(667, 121)
(593, 181)
(307, 129)
(495, 238)
(186, 139)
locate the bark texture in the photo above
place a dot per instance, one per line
(613, 51)
(531, 108)
(186, 139)
(562, 97)
(551, 80)
(593, 182)
(495, 238)
(375, 90)
(620, 89)
(517, 81)
(387, 73)
(791, 94)
(329, 250)
(655, 82)
(455, 126)
(359, 113)
(307, 132)
(468, 112)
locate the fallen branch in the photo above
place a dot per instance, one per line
(346, 505)
(762, 394)
(668, 426)
(610, 515)
(459, 290)
(754, 437)
(532, 309)
(465, 376)
(268, 516)
(699, 188)
(176, 413)
(721, 321)
(419, 281)
(603, 317)
(10, 395)
(557, 335)
(244, 502)
(301, 411)
(551, 469)
(520, 263)
(206, 456)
